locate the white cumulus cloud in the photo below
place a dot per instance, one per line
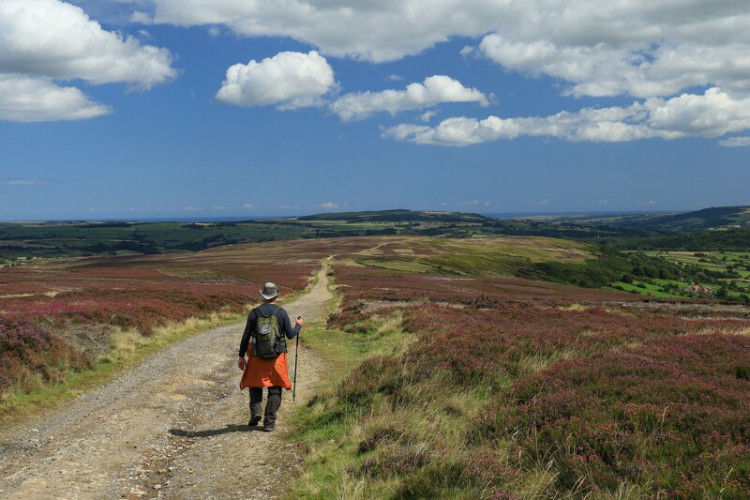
(641, 48)
(29, 99)
(43, 42)
(58, 40)
(289, 80)
(435, 90)
(378, 31)
(635, 47)
(713, 114)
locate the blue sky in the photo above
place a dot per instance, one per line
(165, 108)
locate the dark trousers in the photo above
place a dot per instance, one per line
(272, 405)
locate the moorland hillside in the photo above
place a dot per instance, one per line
(453, 367)
(500, 387)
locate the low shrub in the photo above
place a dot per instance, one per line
(394, 463)
(381, 375)
(31, 356)
(672, 414)
(474, 476)
(478, 346)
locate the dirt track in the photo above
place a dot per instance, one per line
(173, 427)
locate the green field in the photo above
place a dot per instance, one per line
(650, 289)
(727, 271)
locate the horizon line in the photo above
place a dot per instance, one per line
(238, 218)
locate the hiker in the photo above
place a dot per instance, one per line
(268, 326)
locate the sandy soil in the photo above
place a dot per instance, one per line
(173, 427)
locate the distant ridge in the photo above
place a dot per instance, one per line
(398, 215)
(699, 220)
(707, 219)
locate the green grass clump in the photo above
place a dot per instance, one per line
(499, 255)
(330, 427)
(398, 265)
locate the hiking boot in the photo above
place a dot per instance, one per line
(254, 421)
(268, 428)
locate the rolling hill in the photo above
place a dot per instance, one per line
(397, 215)
(714, 218)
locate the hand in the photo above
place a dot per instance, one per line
(300, 321)
(241, 363)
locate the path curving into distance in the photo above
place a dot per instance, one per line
(172, 427)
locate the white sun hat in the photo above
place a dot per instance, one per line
(269, 291)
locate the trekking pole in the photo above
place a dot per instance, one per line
(296, 353)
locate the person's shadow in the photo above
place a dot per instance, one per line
(213, 432)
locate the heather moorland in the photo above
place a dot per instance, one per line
(453, 370)
(498, 387)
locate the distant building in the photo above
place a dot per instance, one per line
(699, 290)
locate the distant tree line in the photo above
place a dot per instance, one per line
(735, 240)
(610, 265)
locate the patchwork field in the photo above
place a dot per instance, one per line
(727, 273)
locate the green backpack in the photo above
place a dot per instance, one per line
(268, 342)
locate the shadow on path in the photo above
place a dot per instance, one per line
(214, 432)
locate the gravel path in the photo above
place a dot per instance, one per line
(173, 427)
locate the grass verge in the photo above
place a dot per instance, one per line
(359, 440)
(328, 431)
(127, 349)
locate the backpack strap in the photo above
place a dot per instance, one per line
(259, 309)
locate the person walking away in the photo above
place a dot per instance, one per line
(264, 342)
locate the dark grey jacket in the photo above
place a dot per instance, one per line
(285, 324)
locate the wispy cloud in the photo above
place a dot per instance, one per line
(735, 142)
(26, 181)
(427, 115)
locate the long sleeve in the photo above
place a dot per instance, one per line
(249, 326)
(289, 331)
